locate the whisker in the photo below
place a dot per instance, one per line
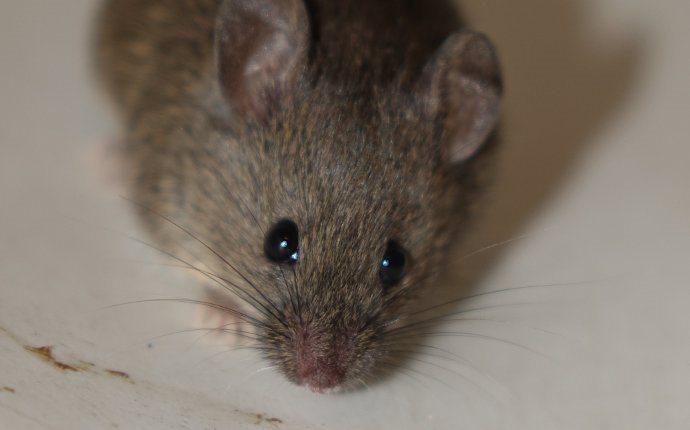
(474, 335)
(223, 259)
(194, 302)
(460, 312)
(176, 258)
(391, 368)
(291, 296)
(452, 371)
(501, 243)
(234, 349)
(462, 359)
(506, 290)
(223, 182)
(222, 329)
(409, 369)
(363, 383)
(209, 329)
(295, 282)
(237, 199)
(213, 277)
(263, 369)
(511, 323)
(503, 322)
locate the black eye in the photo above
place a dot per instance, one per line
(392, 266)
(282, 243)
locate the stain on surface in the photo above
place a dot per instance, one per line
(45, 353)
(10, 335)
(260, 419)
(119, 374)
(273, 420)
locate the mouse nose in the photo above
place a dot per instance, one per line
(321, 366)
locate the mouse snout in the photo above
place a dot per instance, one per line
(322, 361)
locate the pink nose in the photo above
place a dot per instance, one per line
(322, 365)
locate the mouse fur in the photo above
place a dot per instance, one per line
(361, 121)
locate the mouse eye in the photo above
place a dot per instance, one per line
(392, 266)
(282, 243)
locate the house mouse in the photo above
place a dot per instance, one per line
(314, 158)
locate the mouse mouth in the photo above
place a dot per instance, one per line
(323, 385)
(320, 374)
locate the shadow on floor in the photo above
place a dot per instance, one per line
(563, 84)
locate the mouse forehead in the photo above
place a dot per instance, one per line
(356, 149)
(348, 170)
(346, 204)
(349, 178)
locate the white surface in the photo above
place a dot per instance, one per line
(594, 172)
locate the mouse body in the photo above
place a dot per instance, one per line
(314, 158)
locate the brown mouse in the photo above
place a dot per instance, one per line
(313, 157)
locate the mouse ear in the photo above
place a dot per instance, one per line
(461, 87)
(261, 51)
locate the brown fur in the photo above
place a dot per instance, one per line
(350, 154)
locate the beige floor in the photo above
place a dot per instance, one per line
(593, 180)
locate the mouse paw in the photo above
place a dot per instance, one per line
(223, 327)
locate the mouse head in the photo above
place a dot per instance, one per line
(351, 197)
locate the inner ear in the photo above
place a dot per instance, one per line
(261, 52)
(461, 87)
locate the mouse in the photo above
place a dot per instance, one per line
(312, 159)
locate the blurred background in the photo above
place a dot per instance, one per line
(590, 209)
